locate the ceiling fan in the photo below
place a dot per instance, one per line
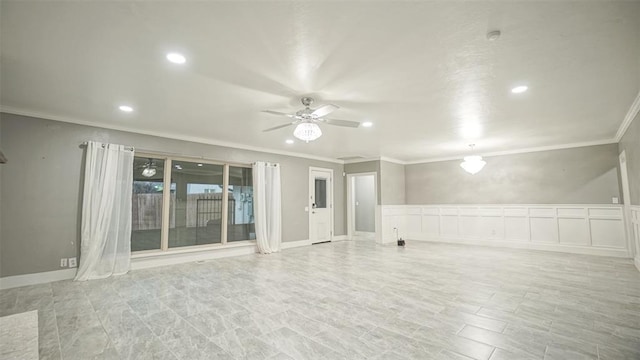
(307, 120)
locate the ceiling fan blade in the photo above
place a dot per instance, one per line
(346, 123)
(325, 110)
(277, 113)
(279, 126)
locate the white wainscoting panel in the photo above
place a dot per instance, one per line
(583, 229)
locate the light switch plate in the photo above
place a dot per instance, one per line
(615, 200)
(72, 262)
(63, 262)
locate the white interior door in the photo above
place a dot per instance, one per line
(320, 205)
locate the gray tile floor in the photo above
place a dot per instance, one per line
(348, 300)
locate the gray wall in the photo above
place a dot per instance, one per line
(365, 209)
(630, 143)
(585, 175)
(392, 183)
(41, 187)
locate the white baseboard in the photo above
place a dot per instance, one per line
(294, 244)
(37, 278)
(168, 258)
(622, 253)
(340, 238)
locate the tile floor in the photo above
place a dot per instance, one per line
(348, 300)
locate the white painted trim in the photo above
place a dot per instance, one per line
(350, 201)
(195, 139)
(626, 200)
(355, 161)
(573, 228)
(340, 238)
(364, 235)
(331, 198)
(636, 261)
(376, 158)
(628, 118)
(294, 244)
(392, 160)
(37, 278)
(155, 259)
(518, 151)
(635, 107)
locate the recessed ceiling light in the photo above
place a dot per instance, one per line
(125, 108)
(176, 58)
(289, 141)
(519, 89)
(367, 124)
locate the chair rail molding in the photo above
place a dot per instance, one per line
(572, 228)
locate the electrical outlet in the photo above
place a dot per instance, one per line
(63, 262)
(72, 262)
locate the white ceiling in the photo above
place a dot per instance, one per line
(424, 73)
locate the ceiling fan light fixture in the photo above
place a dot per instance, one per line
(307, 131)
(148, 171)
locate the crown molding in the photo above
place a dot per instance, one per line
(195, 139)
(376, 158)
(633, 111)
(361, 160)
(519, 151)
(392, 160)
(631, 114)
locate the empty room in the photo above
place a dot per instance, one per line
(319, 180)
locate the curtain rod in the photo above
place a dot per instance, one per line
(268, 164)
(129, 148)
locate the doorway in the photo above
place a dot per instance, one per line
(362, 197)
(320, 205)
(633, 247)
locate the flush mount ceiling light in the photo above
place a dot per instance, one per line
(519, 89)
(307, 131)
(474, 163)
(493, 35)
(367, 124)
(125, 108)
(176, 58)
(289, 141)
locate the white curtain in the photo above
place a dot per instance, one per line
(266, 206)
(106, 211)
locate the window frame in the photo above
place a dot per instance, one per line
(166, 202)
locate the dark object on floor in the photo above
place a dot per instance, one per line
(400, 242)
